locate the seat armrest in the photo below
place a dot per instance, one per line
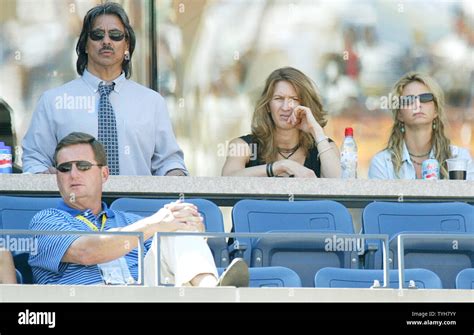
(237, 249)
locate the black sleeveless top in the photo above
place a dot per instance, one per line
(311, 162)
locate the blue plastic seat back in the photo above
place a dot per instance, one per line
(16, 213)
(465, 279)
(210, 212)
(362, 278)
(256, 216)
(445, 257)
(304, 255)
(394, 217)
(273, 276)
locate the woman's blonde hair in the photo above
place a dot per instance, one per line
(263, 127)
(439, 141)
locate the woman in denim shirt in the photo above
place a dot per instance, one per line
(417, 132)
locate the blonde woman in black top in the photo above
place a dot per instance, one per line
(287, 138)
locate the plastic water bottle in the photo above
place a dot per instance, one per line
(349, 155)
(5, 158)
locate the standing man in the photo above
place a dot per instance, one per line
(130, 120)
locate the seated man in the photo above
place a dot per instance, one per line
(7, 268)
(94, 259)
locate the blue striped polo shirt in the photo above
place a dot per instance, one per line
(46, 263)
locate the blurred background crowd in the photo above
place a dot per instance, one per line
(214, 55)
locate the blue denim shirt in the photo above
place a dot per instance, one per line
(381, 166)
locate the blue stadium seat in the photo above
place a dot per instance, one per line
(393, 218)
(272, 276)
(303, 255)
(16, 213)
(209, 211)
(465, 279)
(360, 278)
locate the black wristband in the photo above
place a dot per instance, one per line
(270, 170)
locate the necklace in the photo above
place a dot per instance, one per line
(290, 152)
(419, 156)
(417, 163)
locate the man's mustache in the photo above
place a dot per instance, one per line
(106, 48)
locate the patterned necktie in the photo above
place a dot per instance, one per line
(108, 128)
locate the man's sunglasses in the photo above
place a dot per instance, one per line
(80, 165)
(114, 35)
(408, 100)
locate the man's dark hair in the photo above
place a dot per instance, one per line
(111, 8)
(82, 138)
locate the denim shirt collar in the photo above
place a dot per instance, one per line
(94, 81)
(75, 212)
(406, 155)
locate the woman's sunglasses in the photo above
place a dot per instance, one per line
(114, 35)
(80, 165)
(408, 100)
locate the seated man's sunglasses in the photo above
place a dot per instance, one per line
(408, 100)
(99, 34)
(80, 165)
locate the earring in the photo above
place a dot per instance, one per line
(127, 55)
(434, 124)
(402, 127)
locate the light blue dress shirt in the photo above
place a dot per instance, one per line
(147, 145)
(381, 166)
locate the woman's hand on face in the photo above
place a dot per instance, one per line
(302, 118)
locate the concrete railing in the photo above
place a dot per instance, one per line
(225, 191)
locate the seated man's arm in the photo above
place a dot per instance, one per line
(7, 268)
(96, 249)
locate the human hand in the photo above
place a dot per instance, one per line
(50, 170)
(302, 118)
(175, 173)
(288, 167)
(180, 216)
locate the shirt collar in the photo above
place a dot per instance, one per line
(94, 81)
(405, 154)
(75, 212)
(432, 154)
